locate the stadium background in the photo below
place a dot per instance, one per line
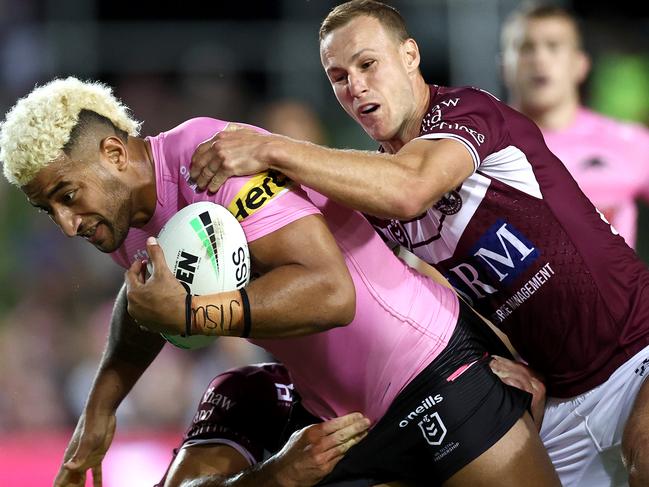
(170, 61)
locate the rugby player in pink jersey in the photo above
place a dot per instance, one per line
(357, 329)
(544, 65)
(467, 183)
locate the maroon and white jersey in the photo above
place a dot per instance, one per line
(520, 240)
(248, 409)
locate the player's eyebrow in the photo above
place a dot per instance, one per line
(56, 188)
(354, 57)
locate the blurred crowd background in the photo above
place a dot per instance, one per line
(169, 61)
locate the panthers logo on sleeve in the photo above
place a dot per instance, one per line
(257, 192)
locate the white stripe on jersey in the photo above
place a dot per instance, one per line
(511, 167)
(222, 441)
(435, 242)
(462, 140)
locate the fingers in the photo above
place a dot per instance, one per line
(233, 126)
(201, 158)
(96, 476)
(336, 424)
(216, 182)
(334, 437)
(133, 276)
(204, 177)
(69, 478)
(156, 254)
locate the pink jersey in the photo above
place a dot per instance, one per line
(610, 161)
(402, 322)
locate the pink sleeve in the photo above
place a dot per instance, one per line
(643, 152)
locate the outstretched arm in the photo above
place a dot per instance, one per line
(308, 456)
(401, 185)
(128, 353)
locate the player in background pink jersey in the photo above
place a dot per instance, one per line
(544, 65)
(356, 328)
(467, 183)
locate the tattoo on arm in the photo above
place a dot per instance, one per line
(219, 314)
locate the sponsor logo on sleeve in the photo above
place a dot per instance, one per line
(257, 193)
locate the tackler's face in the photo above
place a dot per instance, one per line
(85, 199)
(369, 71)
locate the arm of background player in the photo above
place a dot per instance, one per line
(305, 288)
(308, 456)
(401, 185)
(128, 353)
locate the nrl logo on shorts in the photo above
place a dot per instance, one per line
(450, 203)
(433, 429)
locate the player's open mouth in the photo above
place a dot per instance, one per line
(90, 234)
(367, 109)
(540, 81)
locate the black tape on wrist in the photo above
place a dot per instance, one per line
(188, 314)
(247, 324)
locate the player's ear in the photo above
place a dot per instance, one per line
(583, 66)
(410, 54)
(113, 150)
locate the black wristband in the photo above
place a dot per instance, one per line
(188, 315)
(246, 313)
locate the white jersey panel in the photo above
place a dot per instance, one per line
(511, 167)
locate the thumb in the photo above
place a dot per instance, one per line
(132, 275)
(156, 254)
(79, 458)
(232, 127)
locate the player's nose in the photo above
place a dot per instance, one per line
(67, 221)
(357, 85)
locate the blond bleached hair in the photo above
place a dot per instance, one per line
(37, 130)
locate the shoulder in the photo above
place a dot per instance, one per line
(624, 130)
(465, 102)
(199, 128)
(260, 378)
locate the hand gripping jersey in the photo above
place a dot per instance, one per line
(403, 320)
(248, 409)
(610, 161)
(521, 241)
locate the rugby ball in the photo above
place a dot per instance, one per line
(206, 249)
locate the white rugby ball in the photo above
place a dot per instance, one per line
(206, 250)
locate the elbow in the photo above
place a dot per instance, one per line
(341, 302)
(409, 204)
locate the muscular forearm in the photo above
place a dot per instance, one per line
(128, 353)
(289, 301)
(259, 475)
(370, 182)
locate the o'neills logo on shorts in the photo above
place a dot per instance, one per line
(426, 404)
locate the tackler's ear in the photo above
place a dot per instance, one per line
(410, 54)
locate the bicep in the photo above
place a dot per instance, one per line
(441, 164)
(201, 460)
(306, 242)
